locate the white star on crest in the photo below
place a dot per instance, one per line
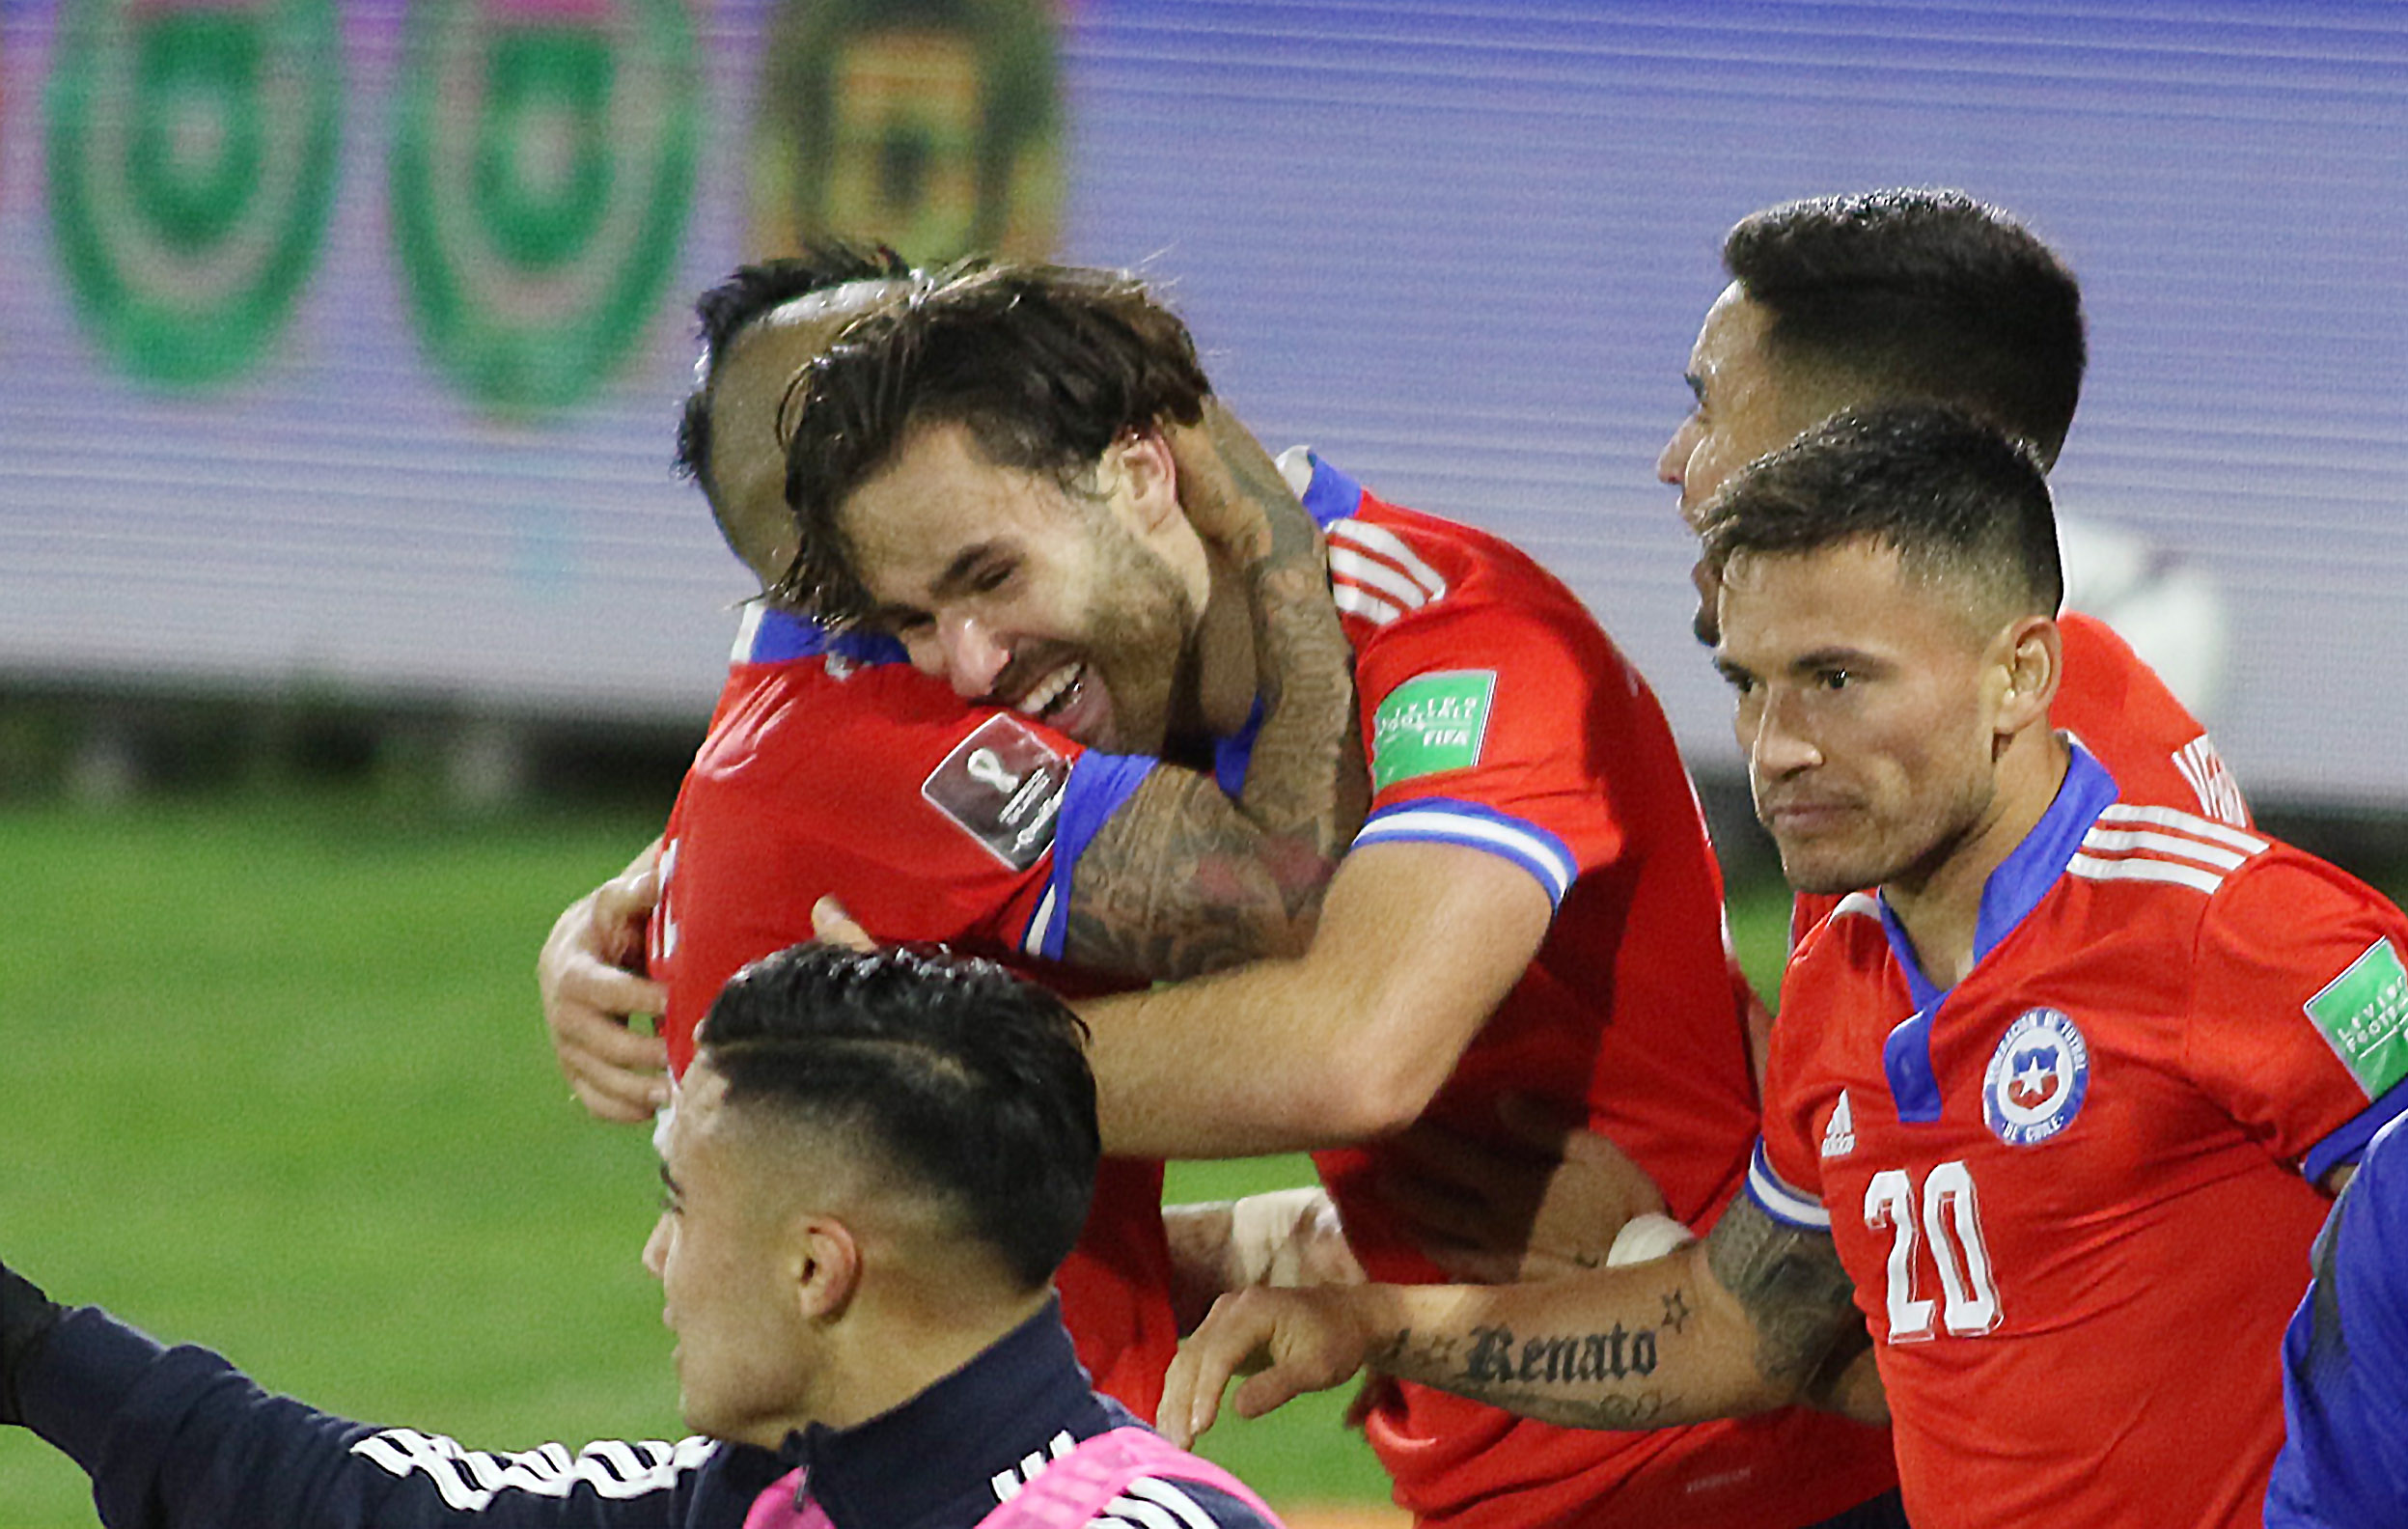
(2034, 1076)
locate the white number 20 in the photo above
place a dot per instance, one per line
(1951, 1220)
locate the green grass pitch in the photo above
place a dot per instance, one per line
(278, 1085)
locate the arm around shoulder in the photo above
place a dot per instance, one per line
(1417, 945)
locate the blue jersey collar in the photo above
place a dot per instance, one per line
(772, 636)
(2024, 877)
(1331, 495)
(2010, 892)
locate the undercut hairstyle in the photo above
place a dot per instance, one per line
(971, 1084)
(1957, 500)
(1921, 294)
(1046, 365)
(727, 309)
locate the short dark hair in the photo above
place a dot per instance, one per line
(971, 1082)
(1922, 295)
(1949, 492)
(1045, 365)
(736, 304)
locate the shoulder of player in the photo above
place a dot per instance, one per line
(1410, 561)
(2153, 851)
(1848, 927)
(1396, 573)
(2232, 888)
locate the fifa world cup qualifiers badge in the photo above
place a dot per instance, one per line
(2037, 1078)
(1002, 786)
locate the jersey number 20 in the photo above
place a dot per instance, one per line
(1947, 1215)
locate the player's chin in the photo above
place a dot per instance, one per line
(1820, 870)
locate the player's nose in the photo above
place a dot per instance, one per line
(656, 1247)
(973, 656)
(1780, 747)
(1671, 464)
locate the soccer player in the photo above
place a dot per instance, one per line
(2345, 1359)
(2051, 1108)
(877, 1165)
(1531, 904)
(829, 763)
(1901, 295)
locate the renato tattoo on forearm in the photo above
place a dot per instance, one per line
(1792, 1287)
(1610, 1377)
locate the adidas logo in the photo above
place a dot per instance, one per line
(1840, 1136)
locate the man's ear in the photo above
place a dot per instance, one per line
(827, 1266)
(1140, 462)
(2030, 655)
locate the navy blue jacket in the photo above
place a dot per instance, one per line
(2345, 1360)
(178, 1438)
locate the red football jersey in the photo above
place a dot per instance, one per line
(2074, 1191)
(2116, 706)
(1498, 716)
(831, 768)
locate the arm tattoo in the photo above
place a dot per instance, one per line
(1181, 881)
(1791, 1286)
(1177, 883)
(1599, 1374)
(1306, 781)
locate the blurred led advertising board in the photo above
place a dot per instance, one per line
(340, 340)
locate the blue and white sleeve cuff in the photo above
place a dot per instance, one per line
(1783, 1202)
(1099, 783)
(1445, 820)
(2346, 1145)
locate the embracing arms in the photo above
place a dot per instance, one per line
(1181, 879)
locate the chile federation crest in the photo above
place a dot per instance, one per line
(2036, 1079)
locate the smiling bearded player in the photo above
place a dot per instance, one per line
(830, 763)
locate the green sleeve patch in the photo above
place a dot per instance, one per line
(2363, 1014)
(1431, 722)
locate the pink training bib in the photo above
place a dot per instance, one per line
(1066, 1494)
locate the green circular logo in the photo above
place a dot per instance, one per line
(543, 170)
(192, 168)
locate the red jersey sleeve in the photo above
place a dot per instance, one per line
(2299, 1026)
(930, 822)
(1473, 711)
(1785, 1178)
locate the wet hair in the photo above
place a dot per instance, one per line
(727, 309)
(1923, 294)
(971, 1084)
(1046, 365)
(1953, 496)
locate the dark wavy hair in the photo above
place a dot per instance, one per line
(736, 304)
(1045, 365)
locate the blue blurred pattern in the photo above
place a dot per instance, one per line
(1462, 247)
